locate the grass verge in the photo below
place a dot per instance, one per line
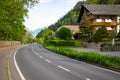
(111, 62)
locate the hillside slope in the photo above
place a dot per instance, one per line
(69, 19)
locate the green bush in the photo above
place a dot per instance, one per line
(106, 44)
(91, 57)
(64, 43)
(101, 35)
(60, 43)
(64, 33)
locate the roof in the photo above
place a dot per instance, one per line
(72, 27)
(98, 9)
(103, 9)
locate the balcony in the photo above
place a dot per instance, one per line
(104, 24)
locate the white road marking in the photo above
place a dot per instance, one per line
(18, 69)
(48, 61)
(36, 54)
(106, 69)
(87, 79)
(34, 51)
(40, 56)
(63, 68)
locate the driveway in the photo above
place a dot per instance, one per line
(116, 53)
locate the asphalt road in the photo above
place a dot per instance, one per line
(36, 63)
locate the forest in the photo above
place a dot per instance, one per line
(12, 13)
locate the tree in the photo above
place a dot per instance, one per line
(69, 19)
(104, 1)
(100, 34)
(39, 35)
(45, 34)
(85, 27)
(64, 33)
(92, 1)
(118, 36)
(12, 14)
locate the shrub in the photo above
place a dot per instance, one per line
(118, 36)
(92, 57)
(73, 43)
(64, 33)
(101, 34)
(61, 43)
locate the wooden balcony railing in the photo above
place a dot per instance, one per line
(104, 24)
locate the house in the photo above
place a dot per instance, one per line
(102, 16)
(74, 28)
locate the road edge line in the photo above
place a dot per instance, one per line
(18, 69)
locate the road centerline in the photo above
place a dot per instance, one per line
(48, 61)
(40, 56)
(87, 79)
(63, 68)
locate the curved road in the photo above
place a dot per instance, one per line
(36, 63)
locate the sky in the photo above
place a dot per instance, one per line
(47, 12)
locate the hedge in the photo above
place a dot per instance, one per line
(64, 43)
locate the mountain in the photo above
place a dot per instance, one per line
(35, 32)
(69, 19)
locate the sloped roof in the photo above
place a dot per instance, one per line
(103, 9)
(98, 9)
(72, 27)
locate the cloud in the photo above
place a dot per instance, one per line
(45, 1)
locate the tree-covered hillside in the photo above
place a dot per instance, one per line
(104, 1)
(69, 19)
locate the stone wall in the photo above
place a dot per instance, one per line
(9, 43)
(111, 48)
(92, 45)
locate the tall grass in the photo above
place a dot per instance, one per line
(91, 57)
